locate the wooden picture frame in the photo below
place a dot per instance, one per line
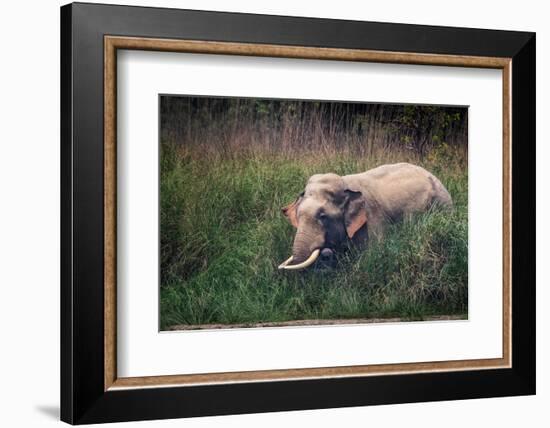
(91, 390)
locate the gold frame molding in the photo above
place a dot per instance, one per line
(113, 43)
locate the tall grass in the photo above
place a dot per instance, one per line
(223, 236)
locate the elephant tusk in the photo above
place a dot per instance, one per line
(302, 265)
(287, 261)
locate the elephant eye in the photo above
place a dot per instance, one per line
(321, 215)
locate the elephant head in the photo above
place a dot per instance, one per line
(327, 214)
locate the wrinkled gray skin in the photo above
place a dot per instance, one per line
(335, 209)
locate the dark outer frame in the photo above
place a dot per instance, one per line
(83, 399)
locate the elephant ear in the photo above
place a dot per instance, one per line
(291, 211)
(355, 215)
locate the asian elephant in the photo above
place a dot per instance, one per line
(333, 210)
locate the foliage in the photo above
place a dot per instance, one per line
(423, 127)
(304, 125)
(222, 234)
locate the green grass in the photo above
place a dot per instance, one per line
(223, 236)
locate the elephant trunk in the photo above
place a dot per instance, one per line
(302, 247)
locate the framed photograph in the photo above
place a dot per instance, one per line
(266, 213)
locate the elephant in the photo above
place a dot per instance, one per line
(335, 210)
